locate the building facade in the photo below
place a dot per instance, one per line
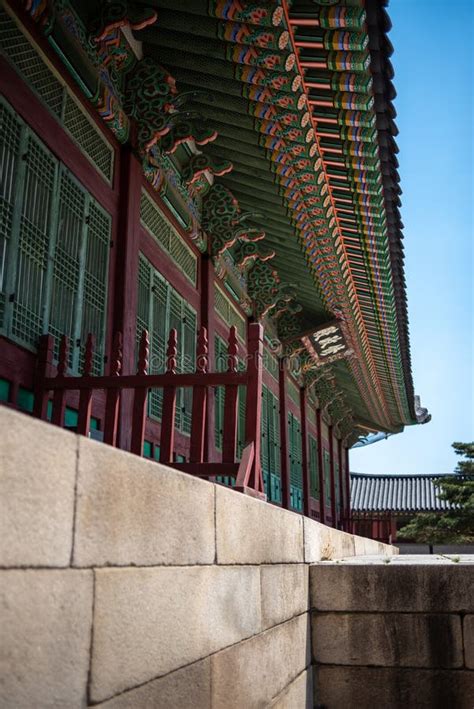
(179, 166)
(383, 504)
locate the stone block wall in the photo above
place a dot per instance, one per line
(125, 584)
(394, 632)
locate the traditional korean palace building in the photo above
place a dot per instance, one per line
(382, 504)
(209, 189)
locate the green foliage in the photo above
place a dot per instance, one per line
(455, 525)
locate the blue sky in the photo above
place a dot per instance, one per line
(434, 82)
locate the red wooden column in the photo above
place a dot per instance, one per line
(322, 492)
(333, 482)
(208, 321)
(348, 489)
(304, 456)
(126, 278)
(284, 461)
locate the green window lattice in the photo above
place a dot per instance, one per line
(54, 247)
(160, 309)
(295, 462)
(270, 445)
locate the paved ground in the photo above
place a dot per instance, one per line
(404, 559)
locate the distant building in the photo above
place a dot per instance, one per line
(383, 504)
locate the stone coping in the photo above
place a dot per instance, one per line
(404, 560)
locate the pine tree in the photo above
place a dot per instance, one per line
(455, 525)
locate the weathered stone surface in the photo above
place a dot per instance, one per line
(394, 586)
(298, 694)
(368, 547)
(284, 592)
(148, 622)
(188, 687)
(391, 639)
(253, 532)
(468, 637)
(252, 673)
(321, 542)
(37, 479)
(131, 511)
(392, 688)
(45, 620)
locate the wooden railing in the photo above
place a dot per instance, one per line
(247, 472)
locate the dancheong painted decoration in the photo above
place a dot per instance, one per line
(201, 254)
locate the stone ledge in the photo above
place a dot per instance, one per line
(131, 511)
(37, 479)
(253, 532)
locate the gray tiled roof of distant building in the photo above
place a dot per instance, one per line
(395, 493)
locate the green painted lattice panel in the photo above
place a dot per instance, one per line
(160, 309)
(295, 460)
(88, 137)
(19, 52)
(313, 467)
(327, 477)
(34, 243)
(336, 486)
(56, 267)
(10, 134)
(220, 353)
(228, 313)
(5, 387)
(55, 95)
(94, 301)
(270, 445)
(67, 264)
(168, 238)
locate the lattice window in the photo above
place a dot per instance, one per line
(220, 353)
(295, 462)
(336, 486)
(271, 363)
(327, 477)
(270, 445)
(55, 268)
(228, 313)
(53, 92)
(156, 224)
(313, 466)
(10, 135)
(311, 412)
(87, 136)
(293, 392)
(160, 309)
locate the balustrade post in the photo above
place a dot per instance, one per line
(59, 404)
(198, 421)
(85, 396)
(229, 438)
(112, 402)
(254, 401)
(140, 398)
(169, 403)
(43, 369)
